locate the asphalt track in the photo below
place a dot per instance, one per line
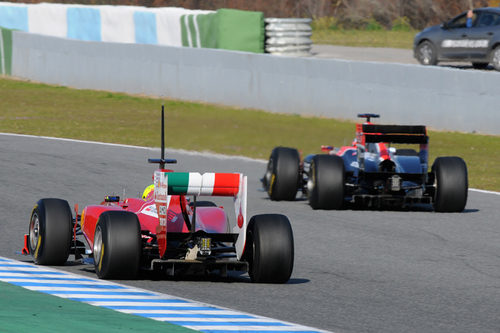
(355, 271)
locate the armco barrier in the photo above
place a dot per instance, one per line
(442, 98)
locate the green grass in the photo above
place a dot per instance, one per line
(365, 38)
(28, 108)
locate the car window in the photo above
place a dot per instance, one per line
(460, 21)
(488, 19)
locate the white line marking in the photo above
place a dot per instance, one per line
(180, 151)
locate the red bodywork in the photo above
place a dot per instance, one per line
(208, 219)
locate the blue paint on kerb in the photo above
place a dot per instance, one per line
(66, 285)
(84, 23)
(156, 308)
(145, 28)
(132, 300)
(14, 17)
(193, 315)
(216, 323)
(94, 292)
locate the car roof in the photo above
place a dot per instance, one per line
(496, 10)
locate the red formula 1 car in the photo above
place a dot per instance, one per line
(166, 231)
(377, 170)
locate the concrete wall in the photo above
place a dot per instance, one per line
(441, 98)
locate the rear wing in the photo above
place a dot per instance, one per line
(207, 184)
(410, 134)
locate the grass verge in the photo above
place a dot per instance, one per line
(365, 38)
(28, 108)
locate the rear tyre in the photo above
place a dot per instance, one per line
(326, 182)
(451, 184)
(117, 245)
(50, 232)
(282, 174)
(426, 54)
(269, 248)
(495, 58)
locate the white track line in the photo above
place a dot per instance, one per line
(180, 151)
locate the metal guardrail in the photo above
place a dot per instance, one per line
(288, 36)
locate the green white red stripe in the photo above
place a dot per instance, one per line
(194, 183)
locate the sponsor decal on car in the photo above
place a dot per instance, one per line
(466, 43)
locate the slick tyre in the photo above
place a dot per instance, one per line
(426, 54)
(50, 232)
(282, 174)
(451, 184)
(269, 248)
(117, 245)
(326, 182)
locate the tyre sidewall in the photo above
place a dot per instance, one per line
(121, 245)
(271, 255)
(450, 174)
(285, 171)
(328, 179)
(55, 232)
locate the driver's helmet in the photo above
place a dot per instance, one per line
(148, 191)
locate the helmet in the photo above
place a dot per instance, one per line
(148, 191)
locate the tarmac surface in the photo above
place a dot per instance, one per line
(355, 270)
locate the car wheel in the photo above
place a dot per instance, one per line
(451, 184)
(282, 174)
(269, 248)
(495, 58)
(50, 232)
(480, 65)
(326, 182)
(426, 53)
(117, 245)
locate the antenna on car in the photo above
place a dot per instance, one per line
(162, 161)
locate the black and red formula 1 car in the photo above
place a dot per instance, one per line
(377, 170)
(166, 231)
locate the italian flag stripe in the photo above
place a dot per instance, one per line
(193, 183)
(226, 184)
(178, 182)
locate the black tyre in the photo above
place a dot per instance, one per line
(326, 182)
(269, 248)
(495, 58)
(426, 53)
(117, 245)
(281, 180)
(50, 232)
(451, 184)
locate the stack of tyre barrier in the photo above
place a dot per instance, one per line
(288, 36)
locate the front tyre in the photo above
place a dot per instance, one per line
(117, 245)
(451, 184)
(50, 232)
(269, 248)
(426, 54)
(281, 180)
(325, 186)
